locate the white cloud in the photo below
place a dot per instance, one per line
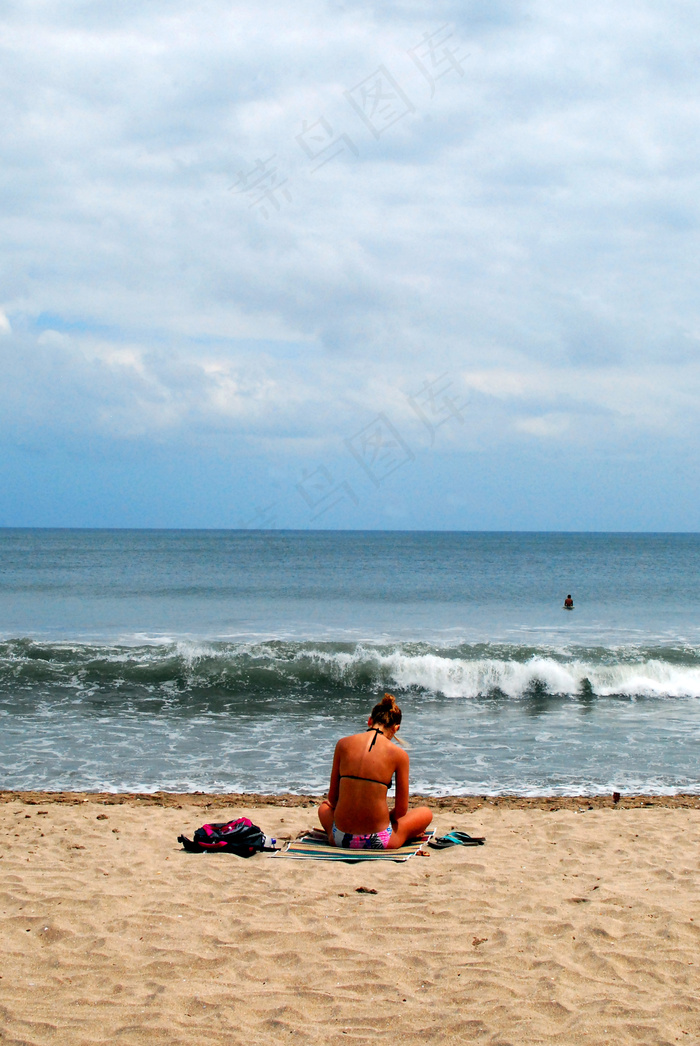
(529, 228)
(547, 426)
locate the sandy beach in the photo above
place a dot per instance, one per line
(577, 922)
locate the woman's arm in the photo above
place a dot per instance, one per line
(401, 799)
(334, 787)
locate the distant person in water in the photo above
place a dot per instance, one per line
(569, 603)
(356, 813)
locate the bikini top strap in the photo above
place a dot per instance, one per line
(377, 731)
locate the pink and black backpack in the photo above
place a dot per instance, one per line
(240, 837)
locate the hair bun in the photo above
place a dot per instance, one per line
(387, 711)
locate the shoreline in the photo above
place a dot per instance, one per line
(451, 803)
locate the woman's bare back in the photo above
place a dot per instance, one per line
(365, 764)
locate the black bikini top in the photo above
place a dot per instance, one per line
(372, 780)
(376, 731)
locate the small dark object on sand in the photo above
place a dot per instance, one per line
(364, 889)
(616, 797)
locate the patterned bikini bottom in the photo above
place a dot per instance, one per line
(373, 841)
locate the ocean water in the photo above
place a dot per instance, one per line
(232, 661)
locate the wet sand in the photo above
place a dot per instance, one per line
(577, 922)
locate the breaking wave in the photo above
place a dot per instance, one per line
(202, 670)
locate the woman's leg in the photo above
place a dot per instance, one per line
(410, 826)
(325, 816)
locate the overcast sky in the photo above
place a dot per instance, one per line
(312, 264)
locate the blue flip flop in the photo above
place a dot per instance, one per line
(466, 840)
(456, 839)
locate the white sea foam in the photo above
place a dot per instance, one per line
(465, 678)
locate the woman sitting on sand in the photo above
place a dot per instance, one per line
(356, 814)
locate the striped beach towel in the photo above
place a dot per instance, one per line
(314, 846)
